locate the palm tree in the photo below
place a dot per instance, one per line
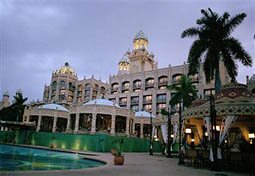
(184, 92)
(214, 43)
(19, 106)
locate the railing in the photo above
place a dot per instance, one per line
(137, 86)
(149, 85)
(134, 102)
(147, 101)
(161, 100)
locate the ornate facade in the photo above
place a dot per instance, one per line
(141, 85)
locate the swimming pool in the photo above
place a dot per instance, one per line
(16, 158)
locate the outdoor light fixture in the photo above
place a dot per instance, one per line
(226, 141)
(188, 131)
(217, 128)
(206, 134)
(251, 135)
(172, 136)
(192, 140)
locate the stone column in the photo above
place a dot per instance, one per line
(54, 124)
(93, 124)
(39, 123)
(113, 124)
(141, 129)
(127, 126)
(68, 123)
(76, 127)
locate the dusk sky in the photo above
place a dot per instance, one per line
(39, 36)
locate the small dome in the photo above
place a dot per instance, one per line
(6, 94)
(53, 107)
(234, 91)
(124, 59)
(151, 54)
(19, 91)
(103, 102)
(252, 78)
(140, 35)
(143, 114)
(66, 69)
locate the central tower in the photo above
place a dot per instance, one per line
(139, 59)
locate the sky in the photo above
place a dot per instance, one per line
(39, 36)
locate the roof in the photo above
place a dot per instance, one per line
(140, 35)
(124, 59)
(233, 99)
(103, 102)
(66, 69)
(143, 114)
(53, 107)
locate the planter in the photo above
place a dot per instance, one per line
(119, 160)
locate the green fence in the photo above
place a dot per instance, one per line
(83, 142)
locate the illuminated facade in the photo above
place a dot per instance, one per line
(140, 85)
(137, 93)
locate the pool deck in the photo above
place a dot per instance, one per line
(140, 164)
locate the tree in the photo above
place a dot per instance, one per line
(184, 92)
(19, 106)
(214, 43)
(15, 111)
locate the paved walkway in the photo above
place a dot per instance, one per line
(136, 164)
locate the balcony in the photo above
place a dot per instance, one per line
(139, 86)
(135, 102)
(149, 85)
(87, 88)
(114, 89)
(147, 101)
(161, 100)
(177, 81)
(125, 88)
(123, 103)
(162, 83)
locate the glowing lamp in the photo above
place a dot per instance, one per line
(206, 134)
(188, 131)
(192, 140)
(172, 136)
(251, 135)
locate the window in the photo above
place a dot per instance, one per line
(134, 100)
(135, 108)
(161, 98)
(147, 99)
(147, 107)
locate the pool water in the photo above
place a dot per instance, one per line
(16, 158)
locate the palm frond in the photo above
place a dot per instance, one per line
(197, 49)
(190, 32)
(235, 21)
(230, 65)
(238, 51)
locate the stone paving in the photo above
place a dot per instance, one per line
(136, 164)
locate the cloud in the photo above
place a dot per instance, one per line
(37, 37)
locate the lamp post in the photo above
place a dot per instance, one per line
(169, 134)
(180, 134)
(215, 165)
(151, 137)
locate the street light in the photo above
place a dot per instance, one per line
(151, 136)
(180, 134)
(214, 144)
(169, 134)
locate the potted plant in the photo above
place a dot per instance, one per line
(118, 157)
